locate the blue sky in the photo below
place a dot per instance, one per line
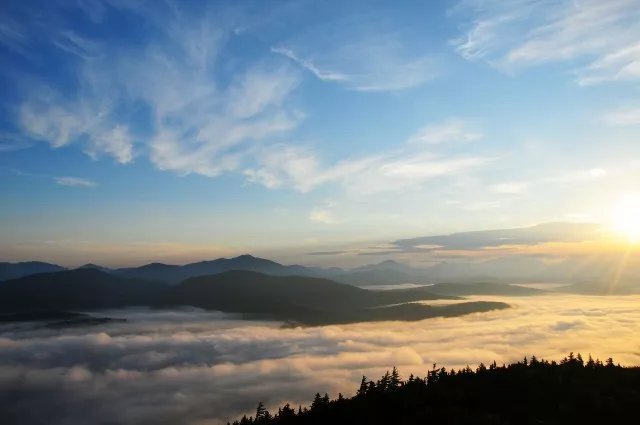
(134, 131)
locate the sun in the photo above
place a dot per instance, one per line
(626, 218)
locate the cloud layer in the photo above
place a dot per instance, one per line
(195, 368)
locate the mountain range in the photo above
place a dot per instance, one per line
(294, 299)
(175, 273)
(502, 270)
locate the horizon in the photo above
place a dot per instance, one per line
(550, 242)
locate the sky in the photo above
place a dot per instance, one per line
(176, 131)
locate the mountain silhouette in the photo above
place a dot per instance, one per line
(296, 299)
(16, 270)
(308, 300)
(175, 274)
(97, 267)
(80, 289)
(389, 265)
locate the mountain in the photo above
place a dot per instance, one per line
(167, 273)
(307, 300)
(389, 265)
(97, 267)
(247, 291)
(16, 270)
(174, 274)
(80, 289)
(296, 299)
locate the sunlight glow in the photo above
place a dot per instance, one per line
(626, 218)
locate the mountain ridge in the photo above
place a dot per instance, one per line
(295, 299)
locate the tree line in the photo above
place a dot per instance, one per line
(531, 391)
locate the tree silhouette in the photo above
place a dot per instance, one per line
(261, 412)
(363, 386)
(394, 381)
(533, 391)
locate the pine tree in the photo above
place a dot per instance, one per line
(317, 402)
(394, 381)
(383, 383)
(363, 386)
(260, 412)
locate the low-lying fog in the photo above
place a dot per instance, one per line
(193, 367)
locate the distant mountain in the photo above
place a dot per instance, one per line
(175, 274)
(80, 289)
(294, 299)
(167, 273)
(97, 267)
(16, 270)
(389, 265)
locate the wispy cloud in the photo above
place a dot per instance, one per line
(562, 177)
(61, 180)
(623, 117)
(362, 55)
(74, 182)
(325, 75)
(12, 35)
(599, 37)
(406, 168)
(453, 130)
(12, 142)
(327, 253)
(199, 120)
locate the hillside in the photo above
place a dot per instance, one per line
(295, 299)
(83, 289)
(310, 301)
(573, 391)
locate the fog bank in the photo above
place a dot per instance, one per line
(194, 367)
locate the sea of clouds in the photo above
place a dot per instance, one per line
(194, 367)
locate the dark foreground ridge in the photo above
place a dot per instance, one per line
(57, 319)
(573, 391)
